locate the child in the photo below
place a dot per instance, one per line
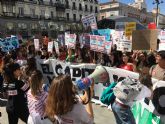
(36, 100)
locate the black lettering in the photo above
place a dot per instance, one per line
(86, 70)
(76, 73)
(67, 70)
(45, 69)
(50, 78)
(58, 69)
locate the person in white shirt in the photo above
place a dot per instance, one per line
(63, 104)
(37, 99)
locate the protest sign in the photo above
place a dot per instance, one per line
(86, 39)
(100, 43)
(144, 39)
(93, 42)
(50, 46)
(56, 47)
(124, 45)
(36, 44)
(89, 20)
(162, 40)
(70, 40)
(116, 36)
(129, 27)
(9, 43)
(108, 46)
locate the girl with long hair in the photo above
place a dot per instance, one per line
(63, 104)
(36, 100)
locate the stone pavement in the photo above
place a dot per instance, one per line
(102, 115)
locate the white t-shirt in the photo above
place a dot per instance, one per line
(78, 115)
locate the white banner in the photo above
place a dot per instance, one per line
(52, 67)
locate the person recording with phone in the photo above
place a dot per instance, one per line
(63, 104)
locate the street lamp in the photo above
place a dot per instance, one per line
(157, 2)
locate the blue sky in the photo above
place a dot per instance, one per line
(150, 6)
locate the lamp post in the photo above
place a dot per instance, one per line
(157, 2)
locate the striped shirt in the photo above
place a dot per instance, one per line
(36, 104)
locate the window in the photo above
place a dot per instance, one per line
(96, 11)
(21, 11)
(91, 8)
(86, 8)
(80, 6)
(80, 17)
(52, 15)
(32, 11)
(74, 17)
(74, 5)
(67, 16)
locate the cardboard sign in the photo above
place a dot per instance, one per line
(144, 39)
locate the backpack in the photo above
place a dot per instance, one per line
(108, 96)
(127, 90)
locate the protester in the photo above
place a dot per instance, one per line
(126, 62)
(122, 105)
(158, 71)
(37, 99)
(15, 90)
(64, 106)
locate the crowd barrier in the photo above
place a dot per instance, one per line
(144, 113)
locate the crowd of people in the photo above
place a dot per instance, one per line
(22, 84)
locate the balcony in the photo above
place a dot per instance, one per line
(61, 19)
(9, 2)
(9, 14)
(34, 16)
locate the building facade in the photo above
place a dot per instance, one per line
(136, 10)
(43, 17)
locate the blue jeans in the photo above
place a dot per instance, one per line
(123, 115)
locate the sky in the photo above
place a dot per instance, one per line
(149, 3)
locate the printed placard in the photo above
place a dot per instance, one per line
(36, 44)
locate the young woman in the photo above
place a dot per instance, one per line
(126, 62)
(16, 93)
(36, 100)
(63, 104)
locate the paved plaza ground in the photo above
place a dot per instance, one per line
(102, 115)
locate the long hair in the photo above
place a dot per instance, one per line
(8, 72)
(31, 66)
(62, 96)
(36, 82)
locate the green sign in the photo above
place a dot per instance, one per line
(144, 116)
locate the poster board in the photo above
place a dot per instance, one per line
(144, 39)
